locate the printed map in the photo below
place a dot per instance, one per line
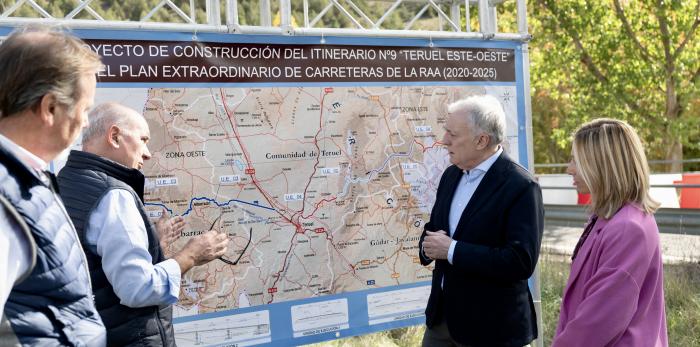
(328, 188)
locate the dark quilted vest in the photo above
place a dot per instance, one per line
(53, 306)
(83, 182)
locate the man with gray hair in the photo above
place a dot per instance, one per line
(47, 85)
(484, 235)
(102, 186)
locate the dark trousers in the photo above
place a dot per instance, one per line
(438, 335)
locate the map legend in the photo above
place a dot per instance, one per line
(397, 304)
(320, 317)
(240, 330)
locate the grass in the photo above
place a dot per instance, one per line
(682, 292)
(403, 337)
(681, 289)
(554, 271)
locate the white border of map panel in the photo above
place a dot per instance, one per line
(506, 95)
(397, 304)
(245, 329)
(130, 97)
(320, 317)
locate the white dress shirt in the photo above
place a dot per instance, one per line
(14, 255)
(116, 232)
(14, 247)
(465, 190)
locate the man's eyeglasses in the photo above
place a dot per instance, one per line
(250, 237)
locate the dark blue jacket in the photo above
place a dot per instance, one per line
(53, 306)
(83, 182)
(483, 296)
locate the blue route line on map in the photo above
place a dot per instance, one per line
(388, 159)
(189, 209)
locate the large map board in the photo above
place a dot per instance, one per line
(320, 158)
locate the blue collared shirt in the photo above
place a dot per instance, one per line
(117, 233)
(465, 189)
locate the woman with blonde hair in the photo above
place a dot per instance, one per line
(614, 295)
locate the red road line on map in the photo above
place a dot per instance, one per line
(299, 213)
(328, 237)
(294, 220)
(247, 158)
(436, 144)
(318, 150)
(284, 265)
(265, 194)
(318, 205)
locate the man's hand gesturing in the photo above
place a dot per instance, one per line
(202, 249)
(169, 230)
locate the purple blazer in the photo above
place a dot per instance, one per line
(615, 293)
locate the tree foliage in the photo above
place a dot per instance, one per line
(627, 59)
(632, 60)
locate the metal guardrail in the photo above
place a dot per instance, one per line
(651, 162)
(670, 220)
(678, 185)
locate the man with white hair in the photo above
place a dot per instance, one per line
(102, 187)
(484, 235)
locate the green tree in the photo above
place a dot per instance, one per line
(633, 60)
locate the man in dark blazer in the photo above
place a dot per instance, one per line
(484, 234)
